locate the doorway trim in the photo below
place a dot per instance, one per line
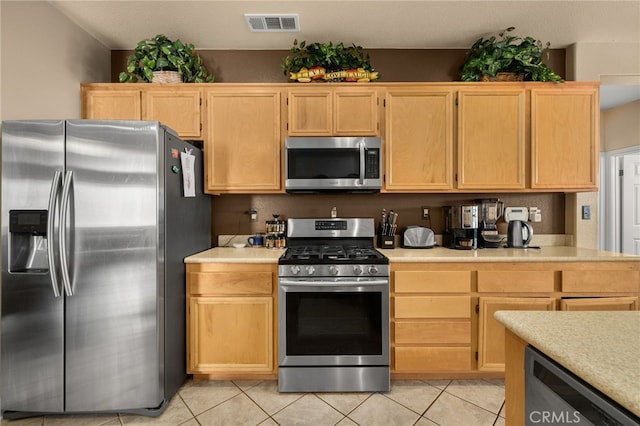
(609, 197)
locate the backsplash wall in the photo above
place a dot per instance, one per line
(230, 215)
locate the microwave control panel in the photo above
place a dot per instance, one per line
(372, 164)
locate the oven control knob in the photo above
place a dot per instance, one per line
(295, 269)
(333, 270)
(373, 270)
(357, 270)
(310, 270)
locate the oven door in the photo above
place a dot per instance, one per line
(333, 321)
(329, 164)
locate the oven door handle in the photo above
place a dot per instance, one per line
(332, 282)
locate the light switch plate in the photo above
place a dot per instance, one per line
(516, 213)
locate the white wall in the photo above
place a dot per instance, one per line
(45, 57)
(609, 63)
(620, 127)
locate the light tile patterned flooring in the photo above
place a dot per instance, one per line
(225, 403)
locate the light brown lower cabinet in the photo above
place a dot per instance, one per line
(442, 323)
(432, 321)
(230, 320)
(491, 332)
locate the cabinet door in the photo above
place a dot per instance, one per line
(105, 104)
(178, 109)
(310, 112)
(230, 334)
(419, 139)
(491, 333)
(243, 146)
(564, 138)
(491, 139)
(355, 112)
(320, 111)
(600, 304)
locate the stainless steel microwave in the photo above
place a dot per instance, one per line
(339, 164)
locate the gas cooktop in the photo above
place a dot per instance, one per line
(336, 253)
(334, 241)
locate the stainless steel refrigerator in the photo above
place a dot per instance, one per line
(95, 228)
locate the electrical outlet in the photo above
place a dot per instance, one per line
(586, 212)
(425, 212)
(535, 215)
(253, 215)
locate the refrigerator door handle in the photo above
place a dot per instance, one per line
(64, 207)
(53, 196)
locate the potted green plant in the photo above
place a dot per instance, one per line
(161, 54)
(324, 61)
(505, 53)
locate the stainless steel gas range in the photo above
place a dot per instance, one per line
(333, 311)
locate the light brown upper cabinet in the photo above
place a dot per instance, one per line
(418, 139)
(332, 111)
(175, 105)
(178, 109)
(491, 138)
(565, 137)
(242, 144)
(105, 103)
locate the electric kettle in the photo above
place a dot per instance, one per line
(519, 234)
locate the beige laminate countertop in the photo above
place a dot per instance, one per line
(436, 254)
(236, 255)
(603, 348)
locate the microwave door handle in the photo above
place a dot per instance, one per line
(362, 155)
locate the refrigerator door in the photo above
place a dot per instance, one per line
(113, 317)
(32, 359)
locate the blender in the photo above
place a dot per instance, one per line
(491, 210)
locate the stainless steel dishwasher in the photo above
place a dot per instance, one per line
(555, 396)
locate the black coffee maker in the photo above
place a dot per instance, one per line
(461, 227)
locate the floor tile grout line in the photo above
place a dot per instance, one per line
(422, 415)
(473, 403)
(498, 415)
(269, 416)
(210, 408)
(353, 409)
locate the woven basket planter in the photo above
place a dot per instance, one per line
(166, 77)
(504, 76)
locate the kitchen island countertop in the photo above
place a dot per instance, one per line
(602, 348)
(436, 254)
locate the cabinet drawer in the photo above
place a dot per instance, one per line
(601, 281)
(432, 359)
(230, 283)
(432, 306)
(515, 281)
(432, 281)
(600, 304)
(432, 332)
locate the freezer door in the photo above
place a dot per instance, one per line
(113, 333)
(32, 365)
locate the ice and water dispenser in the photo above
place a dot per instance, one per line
(28, 241)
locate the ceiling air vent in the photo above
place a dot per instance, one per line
(272, 23)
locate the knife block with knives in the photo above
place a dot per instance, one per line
(388, 226)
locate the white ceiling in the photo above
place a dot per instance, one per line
(417, 24)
